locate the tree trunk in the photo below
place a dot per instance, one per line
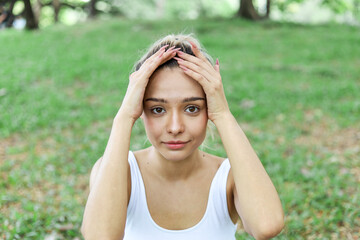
(247, 10)
(92, 9)
(56, 5)
(268, 4)
(11, 17)
(29, 16)
(37, 10)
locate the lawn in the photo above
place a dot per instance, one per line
(294, 89)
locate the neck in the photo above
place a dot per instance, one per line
(172, 170)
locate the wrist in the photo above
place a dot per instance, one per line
(123, 118)
(224, 119)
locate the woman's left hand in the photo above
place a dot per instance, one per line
(208, 76)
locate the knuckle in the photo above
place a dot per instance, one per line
(198, 68)
(197, 61)
(202, 78)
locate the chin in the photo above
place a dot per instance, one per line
(176, 155)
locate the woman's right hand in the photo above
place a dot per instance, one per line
(132, 105)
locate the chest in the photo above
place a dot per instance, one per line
(177, 205)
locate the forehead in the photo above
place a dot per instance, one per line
(173, 83)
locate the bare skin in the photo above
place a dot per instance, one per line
(106, 207)
(179, 172)
(175, 211)
(255, 196)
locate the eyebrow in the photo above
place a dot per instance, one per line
(191, 99)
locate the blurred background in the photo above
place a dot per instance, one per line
(42, 13)
(291, 73)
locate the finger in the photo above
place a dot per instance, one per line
(163, 57)
(204, 64)
(205, 71)
(154, 59)
(198, 53)
(197, 77)
(158, 53)
(217, 66)
(204, 83)
(168, 55)
(168, 50)
(154, 56)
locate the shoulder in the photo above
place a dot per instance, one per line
(217, 161)
(212, 161)
(140, 154)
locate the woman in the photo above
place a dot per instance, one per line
(172, 190)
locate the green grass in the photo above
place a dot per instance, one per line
(293, 88)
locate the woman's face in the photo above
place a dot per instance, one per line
(175, 113)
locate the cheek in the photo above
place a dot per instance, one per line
(199, 127)
(151, 127)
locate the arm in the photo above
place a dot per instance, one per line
(106, 207)
(255, 197)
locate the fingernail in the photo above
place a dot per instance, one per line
(171, 48)
(217, 61)
(179, 59)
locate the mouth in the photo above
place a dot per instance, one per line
(174, 145)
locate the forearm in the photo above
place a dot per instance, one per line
(258, 201)
(106, 208)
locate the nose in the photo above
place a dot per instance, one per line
(175, 124)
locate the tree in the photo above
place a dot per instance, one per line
(11, 15)
(56, 5)
(92, 9)
(268, 3)
(248, 11)
(31, 22)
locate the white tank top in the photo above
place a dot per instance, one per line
(216, 223)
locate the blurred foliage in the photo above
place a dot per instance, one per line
(337, 6)
(340, 6)
(73, 11)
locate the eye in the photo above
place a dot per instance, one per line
(192, 109)
(157, 110)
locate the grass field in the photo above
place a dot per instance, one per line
(294, 89)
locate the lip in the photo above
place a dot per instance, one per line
(174, 145)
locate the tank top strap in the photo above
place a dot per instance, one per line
(218, 196)
(216, 222)
(136, 185)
